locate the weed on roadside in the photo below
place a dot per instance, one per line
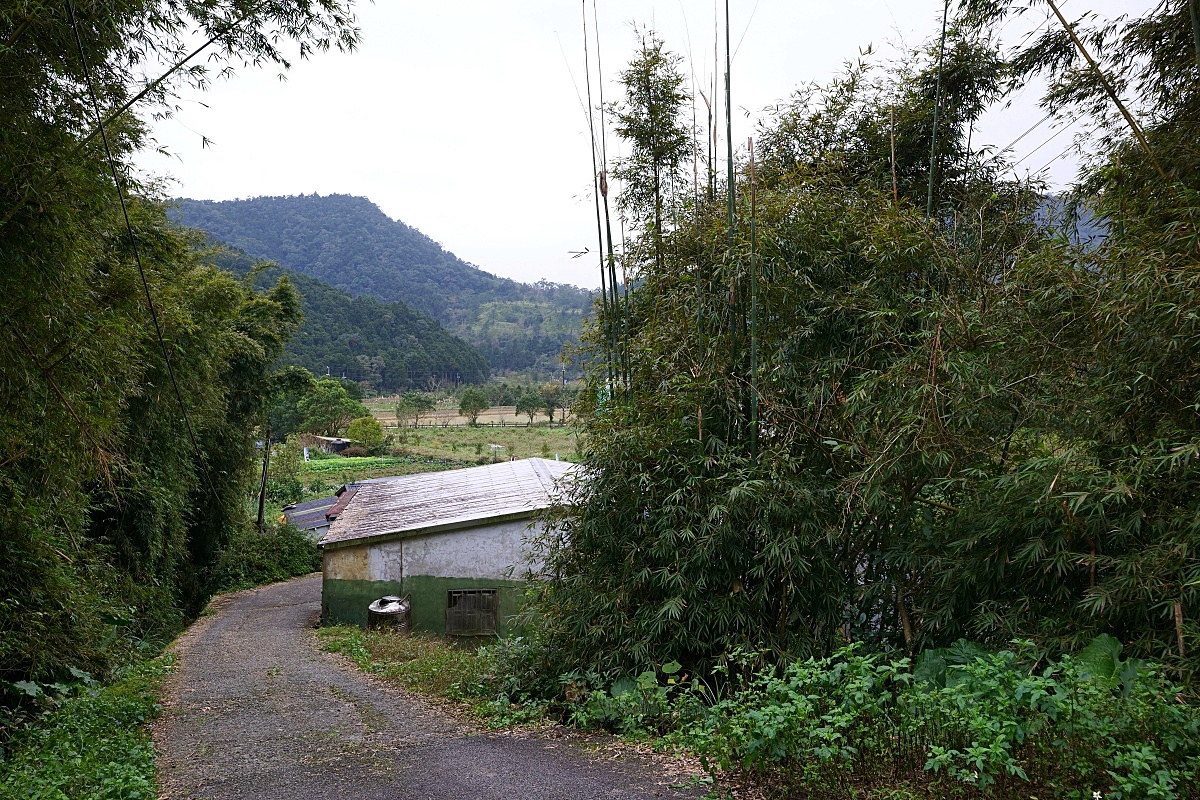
(93, 745)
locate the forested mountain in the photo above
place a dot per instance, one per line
(387, 347)
(350, 243)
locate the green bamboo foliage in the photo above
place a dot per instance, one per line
(930, 431)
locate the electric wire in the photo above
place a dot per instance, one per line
(112, 164)
(1053, 136)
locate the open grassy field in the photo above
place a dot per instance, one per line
(470, 444)
(384, 410)
(429, 449)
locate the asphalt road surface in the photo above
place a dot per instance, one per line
(256, 710)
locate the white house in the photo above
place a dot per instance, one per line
(455, 542)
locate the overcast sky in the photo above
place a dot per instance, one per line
(463, 117)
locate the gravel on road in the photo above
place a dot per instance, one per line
(256, 710)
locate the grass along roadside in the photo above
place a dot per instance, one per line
(93, 745)
(433, 666)
(960, 722)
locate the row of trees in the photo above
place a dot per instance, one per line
(133, 374)
(858, 415)
(474, 400)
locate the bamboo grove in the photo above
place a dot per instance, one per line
(134, 371)
(847, 412)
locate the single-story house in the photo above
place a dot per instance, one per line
(310, 516)
(454, 542)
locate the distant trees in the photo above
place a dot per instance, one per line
(367, 431)
(389, 346)
(472, 403)
(387, 281)
(329, 408)
(411, 406)
(529, 404)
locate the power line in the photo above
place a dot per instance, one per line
(112, 165)
(1054, 136)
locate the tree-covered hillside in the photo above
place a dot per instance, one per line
(387, 347)
(350, 243)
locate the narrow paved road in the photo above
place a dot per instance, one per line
(255, 710)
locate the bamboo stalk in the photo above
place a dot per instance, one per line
(1179, 628)
(892, 133)
(1194, 8)
(1108, 88)
(753, 305)
(937, 107)
(729, 126)
(621, 324)
(606, 321)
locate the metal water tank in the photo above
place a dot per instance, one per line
(390, 613)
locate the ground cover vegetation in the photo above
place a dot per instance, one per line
(865, 392)
(349, 243)
(91, 741)
(136, 375)
(472, 444)
(960, 721)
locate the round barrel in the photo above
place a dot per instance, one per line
(390, 613)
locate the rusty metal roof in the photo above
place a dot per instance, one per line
(445, 500)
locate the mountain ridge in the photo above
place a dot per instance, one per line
(386, 347)
(351, 244)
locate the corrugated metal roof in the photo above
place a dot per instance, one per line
(449, 499)
(310, 505)
(310, 514)
(308, 520)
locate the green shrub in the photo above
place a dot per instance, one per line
(252, 558)
(367, 431)
(93, 745)
(1005, 723)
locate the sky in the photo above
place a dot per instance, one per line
(465, 118)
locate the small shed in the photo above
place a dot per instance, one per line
(454, 542)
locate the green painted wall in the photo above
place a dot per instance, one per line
(345, 601)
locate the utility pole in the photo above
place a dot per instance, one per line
(262, 489)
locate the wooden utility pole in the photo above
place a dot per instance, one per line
(262, 489)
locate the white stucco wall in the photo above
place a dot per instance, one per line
(483, 552)
(487, 551)
(385, 561)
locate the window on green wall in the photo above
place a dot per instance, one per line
(472, 612)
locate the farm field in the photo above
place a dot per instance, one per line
(446, 414)
(464, 443)
(326, 474)
(437, 448)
